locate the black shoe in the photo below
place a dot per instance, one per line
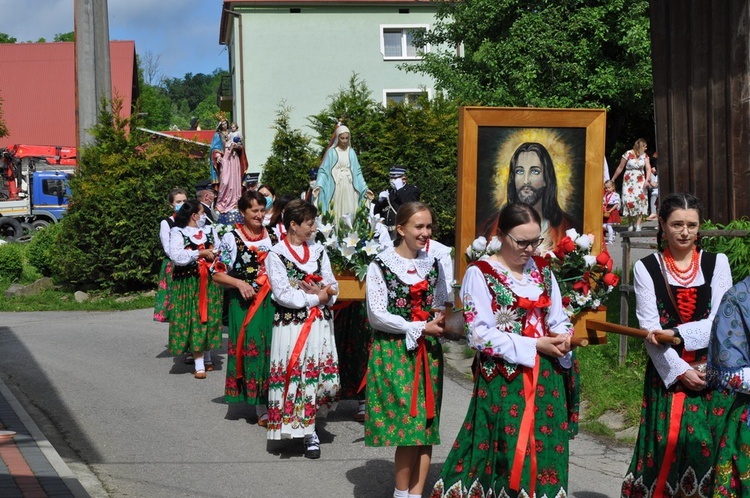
(312, 446)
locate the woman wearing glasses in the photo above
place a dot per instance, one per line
(678, 291)
(517, 427)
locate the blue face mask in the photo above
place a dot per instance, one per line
(269, 203)
(178, 206)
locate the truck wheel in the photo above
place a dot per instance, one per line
(39, 224)
(10, 229)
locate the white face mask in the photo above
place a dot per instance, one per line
(201, 221)
(397, 183)
(313, 183)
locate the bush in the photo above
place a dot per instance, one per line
(109, 238)
(38, 250)
(11, 262)
(737, 249)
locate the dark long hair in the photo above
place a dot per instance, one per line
(191, 207)
(673, 202)
(516, 214)
(551, 210)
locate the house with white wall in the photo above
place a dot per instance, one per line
(299, 53)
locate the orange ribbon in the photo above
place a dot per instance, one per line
(526, 437)
(315, 313)
(419, 315)
(260, 295)
(203, 270)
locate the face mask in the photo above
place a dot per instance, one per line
(269, 203)
(201, 221)
(178, 206)
(397, 183)
(313, 183)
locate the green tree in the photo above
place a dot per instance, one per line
(537, 53)
(66, 37)
(291, 157)
(6, 38)
(108, 240)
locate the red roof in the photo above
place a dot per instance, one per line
(37, 88)
(203, 136)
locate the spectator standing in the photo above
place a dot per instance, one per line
(163, 306)
(399, 192)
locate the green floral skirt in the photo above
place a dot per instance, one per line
(691, 471)
(732, 469)
(252, 386)
(186, 332)
(480, 462)
(163, 305)
(390, 380)
(353, 338)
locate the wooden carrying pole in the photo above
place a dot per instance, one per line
(595, 325)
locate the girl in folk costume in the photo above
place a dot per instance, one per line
(195, 323)
(677, 294)
(729, 368)
(611, 210)
(163, 306)
(304, 377)
(514, 440)
(250, 308)
(405, 369)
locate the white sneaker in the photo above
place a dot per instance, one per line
(312, 446)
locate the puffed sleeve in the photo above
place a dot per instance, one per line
(177, 251)
(377, 310)
(666, 360)
(229, 249)
(481, 326)
(282, 290)
(164, 236)
(328, 276)
(696, 334)
(444, 289)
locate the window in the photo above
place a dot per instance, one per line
(408, 96)
(397, 42)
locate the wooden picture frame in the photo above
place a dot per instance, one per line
(488, 134)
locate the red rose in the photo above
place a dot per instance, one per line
(611, 279)
(603, 258)
(565, 246)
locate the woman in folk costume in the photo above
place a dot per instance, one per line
(340, 185)
(514, 440)
(304, 376)
(677, 294)
(163, 305)
(195, 323)
(729, 369)
(405, 369)
(250, 308)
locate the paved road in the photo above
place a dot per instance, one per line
(131, 421)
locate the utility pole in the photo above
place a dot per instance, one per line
(93, 70)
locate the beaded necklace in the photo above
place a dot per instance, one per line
(683, 277)
(305, 252)
(249, 236)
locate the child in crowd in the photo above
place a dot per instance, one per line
(611, 207)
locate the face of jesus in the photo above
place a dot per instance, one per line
(529, 178)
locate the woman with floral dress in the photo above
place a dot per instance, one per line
(304, 376)
(677, 294)
(514, 440)
(405, 369)
(163, 306)
(195, 323)
(244, 251)
(637, 168)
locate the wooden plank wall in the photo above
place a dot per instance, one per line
(701, 67)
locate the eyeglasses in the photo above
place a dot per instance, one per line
(679, 227)
(525, 244)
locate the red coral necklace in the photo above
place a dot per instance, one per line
(305, 252)
(683, 277)
(248, 235)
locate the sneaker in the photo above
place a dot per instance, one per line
(312, 446)
(631, 228)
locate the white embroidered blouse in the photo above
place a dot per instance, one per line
(286, 292)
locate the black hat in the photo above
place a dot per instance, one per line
(397, 171)
(313, 174)
(203, 185)
(250, 178)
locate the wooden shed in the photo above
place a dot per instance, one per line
(701, 68)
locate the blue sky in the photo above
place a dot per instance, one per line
(183, 33)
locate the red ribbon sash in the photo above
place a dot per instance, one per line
(416, 292)
(263, 290)
(526, 437)
(203, 270)
(315, 313)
